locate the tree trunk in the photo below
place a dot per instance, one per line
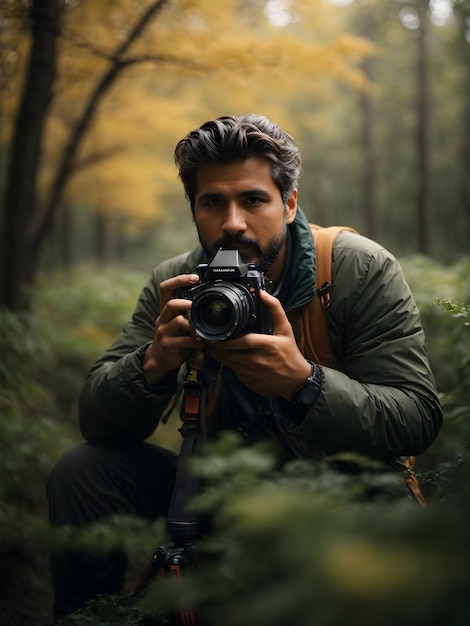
(65, 237)
(101, 229)
(463, 13)
(120, 243)
(20, 201)
(423, 136)
(368, 141)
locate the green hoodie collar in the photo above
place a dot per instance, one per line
(298, 280)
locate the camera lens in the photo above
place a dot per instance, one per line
(217, 311)
(221, 311)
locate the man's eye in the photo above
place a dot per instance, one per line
(213, 202)
(254, 200)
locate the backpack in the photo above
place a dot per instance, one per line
(315, 337)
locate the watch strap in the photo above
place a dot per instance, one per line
(306, 394)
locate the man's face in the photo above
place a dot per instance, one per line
(238, 205)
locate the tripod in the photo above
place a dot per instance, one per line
(182, 525)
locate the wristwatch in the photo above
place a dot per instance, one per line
(305, 395)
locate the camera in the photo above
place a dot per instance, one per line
(226, 302)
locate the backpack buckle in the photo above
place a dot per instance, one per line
(324, 293)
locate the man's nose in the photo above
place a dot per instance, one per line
(234, 219)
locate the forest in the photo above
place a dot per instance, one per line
(95, 94)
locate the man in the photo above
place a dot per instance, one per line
(240, 176)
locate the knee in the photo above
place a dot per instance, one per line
(72, 462)
(90, 482)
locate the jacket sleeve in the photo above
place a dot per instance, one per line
(117, 405)
(384, 402)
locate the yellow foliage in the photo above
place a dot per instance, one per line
(122, 186)
(198, 59)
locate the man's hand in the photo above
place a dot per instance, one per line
(270, 365)
(173, 337)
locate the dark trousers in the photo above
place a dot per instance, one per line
(90, 483)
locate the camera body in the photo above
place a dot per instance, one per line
(226, 302)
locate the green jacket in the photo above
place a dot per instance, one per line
(383, 404)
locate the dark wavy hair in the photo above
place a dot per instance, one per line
(228, 139)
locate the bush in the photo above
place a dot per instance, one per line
(301, 546)
(440, 292)
(306, 546)
(45, 358)
(29, 437)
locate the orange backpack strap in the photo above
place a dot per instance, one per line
(314, 326)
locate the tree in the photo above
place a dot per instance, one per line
(462, 9)
(25, 227)
(18, 256)
(367, 107)
(423, 145)
(401, 141)
(185, 44)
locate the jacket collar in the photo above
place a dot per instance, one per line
(298, 280)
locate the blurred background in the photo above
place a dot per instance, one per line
(376, 93)
(94, 96)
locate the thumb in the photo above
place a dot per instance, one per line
(280, 322)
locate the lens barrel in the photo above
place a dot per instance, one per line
(221, 311)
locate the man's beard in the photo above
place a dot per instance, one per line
(263, 258)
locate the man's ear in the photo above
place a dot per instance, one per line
(291, 207)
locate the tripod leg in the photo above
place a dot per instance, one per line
(156, 566)
(170, 561)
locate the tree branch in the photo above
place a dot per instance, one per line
(167, 59)
(42, 226)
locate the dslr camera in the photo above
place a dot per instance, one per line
(226, 302)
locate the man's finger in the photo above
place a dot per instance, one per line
(280, 321)
(169, 286)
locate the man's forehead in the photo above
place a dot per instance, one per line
(250, 173)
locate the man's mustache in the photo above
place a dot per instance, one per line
(235, 241)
